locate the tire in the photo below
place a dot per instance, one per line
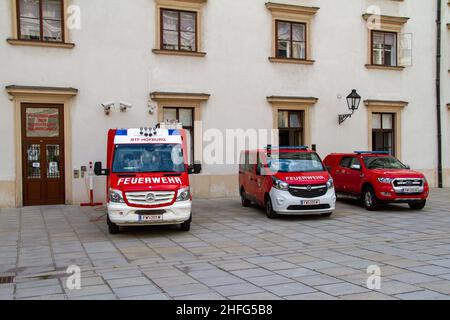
(271, 214)
(112, 227)
(244, 201)
(417, 205)
(370, 200)
(326, 215)
(185, 226)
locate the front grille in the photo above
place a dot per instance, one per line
(308, 192)
(408, 182)
(316, 207)
(150, 212)
(152, 198)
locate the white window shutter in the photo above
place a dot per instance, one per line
(405, 51)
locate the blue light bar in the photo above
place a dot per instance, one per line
(122, 132)
(173, 132)
(269, 147)
(372, 152)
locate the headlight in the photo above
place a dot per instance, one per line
(330, 183)
(385, 180)
(279, 184)
(184, 194)
(116, 196)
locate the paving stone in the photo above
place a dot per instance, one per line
(423, 295)
(297, 272)
(393, 287)
(311, 296)
(289, 289)
(340, 289)
(256, 296)
(125, 292)
(269, 280)
(413, 278)
(367, 296)
(430, 270)
(128, 282)
(254, 272)
(202, 297)
(237, 289)
(317, 280)
(441, 286)
(38, 291)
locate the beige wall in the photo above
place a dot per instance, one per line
(7, 194)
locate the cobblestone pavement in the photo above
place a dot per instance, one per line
(230, 253)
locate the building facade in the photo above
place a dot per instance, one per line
(215, 65)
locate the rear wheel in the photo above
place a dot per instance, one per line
(419, 205)
(245, 202)
(271, 214)
(370, 200)
(112, 227)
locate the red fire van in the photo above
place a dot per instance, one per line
(286, 181)
(377, 178)
(147, 177)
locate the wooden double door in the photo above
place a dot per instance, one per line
(43, 172)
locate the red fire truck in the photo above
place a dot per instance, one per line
(148, 177)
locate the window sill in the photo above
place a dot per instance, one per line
(179, 53)
(380, 67)
(292, 61)
(16, 42)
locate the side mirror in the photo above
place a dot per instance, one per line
(355, 167)
(196, 168)
(98, 171)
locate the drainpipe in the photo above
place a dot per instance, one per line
(438, 91)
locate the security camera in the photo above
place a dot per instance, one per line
(125, 105)
(107, 106)
(151, 108)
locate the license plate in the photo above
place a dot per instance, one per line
(410, 190)
(310, 202)
(156, 217)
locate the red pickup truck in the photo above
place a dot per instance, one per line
(377, 178)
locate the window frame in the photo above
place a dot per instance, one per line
(291, 41)
(384, 32)
(385, 131)
(161, 28)
(41, 28)
(292, 130)
(187, 128)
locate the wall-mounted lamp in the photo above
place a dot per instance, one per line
(353, 101)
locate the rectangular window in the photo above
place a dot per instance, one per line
(384, 48)
(290, 126)
(383, 132)
(178, 30)
(186, 117)
(41, 20)
(291, 40)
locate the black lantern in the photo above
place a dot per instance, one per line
(353, 101)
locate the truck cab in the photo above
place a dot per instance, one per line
(377, 178)
(147, 177)
(286, 181)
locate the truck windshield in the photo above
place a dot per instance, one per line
(295, 162)
(144, 158)
(383, 163)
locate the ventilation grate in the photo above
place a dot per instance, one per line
(6, 279)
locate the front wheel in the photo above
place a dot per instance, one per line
(271, 214)
(244, 201)
(370, 200)
(419, 205)
(112, 227)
